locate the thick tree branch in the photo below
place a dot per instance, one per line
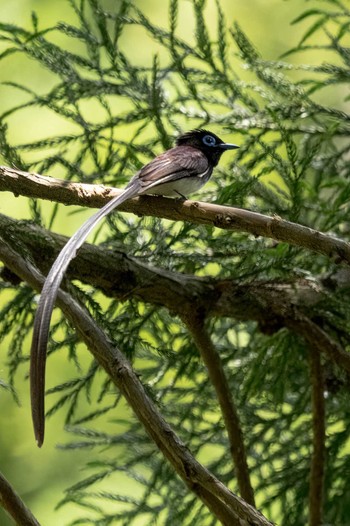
(211, 358)
(228, 218)
(272, 305)
(13, 504)
(197, 477)
(318, 440)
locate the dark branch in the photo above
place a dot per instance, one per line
(13, 504)
(272, 305)
(211, 358)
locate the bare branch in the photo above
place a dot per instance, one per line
(228, 218)
(14, 505)
(196, 477)
(211, 358)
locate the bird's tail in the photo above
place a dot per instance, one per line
(46, 305)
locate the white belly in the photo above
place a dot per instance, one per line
(180, 187)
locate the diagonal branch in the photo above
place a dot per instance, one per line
(228, 218)
(14, 505)
(212, 360)
(198, 479)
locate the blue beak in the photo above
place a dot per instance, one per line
(227, 146)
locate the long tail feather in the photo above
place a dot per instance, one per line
(46, 305)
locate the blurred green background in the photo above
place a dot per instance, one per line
(41, 476)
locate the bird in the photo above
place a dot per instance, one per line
(176, 172)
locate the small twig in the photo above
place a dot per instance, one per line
(318, 441)
(318, 338)
(228, 218)
(14, 505)
(288, 314)
(217, 376)
(198, 479)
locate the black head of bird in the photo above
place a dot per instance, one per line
(207, 142)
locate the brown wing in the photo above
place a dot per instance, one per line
(179, 162)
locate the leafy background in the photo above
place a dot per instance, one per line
(42, 476)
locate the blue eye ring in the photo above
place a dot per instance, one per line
(209, 140)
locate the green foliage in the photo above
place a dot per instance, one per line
(293, 162)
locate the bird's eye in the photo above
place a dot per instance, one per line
(209, 140)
